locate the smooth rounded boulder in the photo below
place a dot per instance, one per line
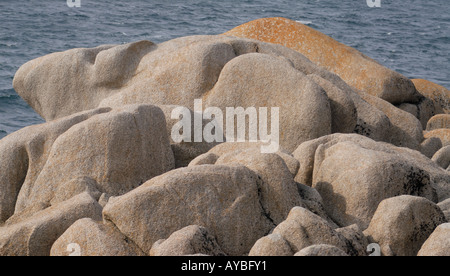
(223, 199)
(93, 238)
(402, 224)
(120, 150)
(23, 155)
(438, 244)
(190, 240)
(321, 250)
(438, 122)
(271, 245)
(36, 235)
(353, 67)
(344, 168)
(302, 228)
(437, 93)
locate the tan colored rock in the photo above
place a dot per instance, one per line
(439, 94)
(425, 109)
(343, 108)
(190, 240)
(438, 122)
(225, 148)
(443, 134)
(24, 153)
(349, 180)
(223, 199)
(303, 228)
(442, 157)
(120, 150)
(321, 250)
(352, 66)
(94, 239)
(271, 246)
(279, 192)
(344, 168)
(208, 158)
(218, 70)
(36, 235)
(185, 152)
(402, 224)
(67, 90)
(356, 238)
(75, 187)
(268, 81)
(430, 146)
(445, 207)
(438, 244)
(313, 201)
(406, 130)
(103, 200)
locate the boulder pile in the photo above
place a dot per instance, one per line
(363, 155)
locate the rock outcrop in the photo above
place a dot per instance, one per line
(224, 72)
(438, 244)
(190, 240)
(93, 238)
(345, 169)
(402, 224)
(223, 199)
(270, 140)
(36, 235)
(437, 93)
(321, 250)
(353, 67)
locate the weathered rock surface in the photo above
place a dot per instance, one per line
(190, 240)
(439, 94)
(185, 152)
(442, 157)
(438, 122)
(303, 228)
(216, 69)
(104, 180)
(226, 148)
(356, 237)
(430, 146)
(306, 115)
(24, 153)
(94, 239)
(271, 245)
(402, 224)
(443, 134)
(425, 109)
(36, 235)
(438, 244)
(313, 201)
(353, 67)
(321, 250)
(445, 207)
(66, 90)
(406, 130)
(345, 169)
(279, 192)
(223, 199)
(120, 150)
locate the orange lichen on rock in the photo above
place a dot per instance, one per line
(352, 66)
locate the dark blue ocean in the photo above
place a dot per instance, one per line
(409, 36)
